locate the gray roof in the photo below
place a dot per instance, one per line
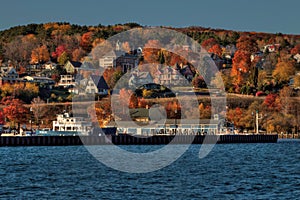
(99, 81)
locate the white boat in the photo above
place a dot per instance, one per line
(65, 124)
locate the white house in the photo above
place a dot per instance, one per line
(138, 78)
(297, 57)
(50, 65)
(66, 80)
(169, 76)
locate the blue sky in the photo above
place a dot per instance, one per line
(244, 15)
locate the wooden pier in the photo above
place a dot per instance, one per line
(130, 140)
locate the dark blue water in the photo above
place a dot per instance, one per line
(230, 171)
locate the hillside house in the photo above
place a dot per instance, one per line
(127, 62)
(66, 80)
(50, 65)
(169, 76)
(72, 67)
(8, 75)
(96, 85)
(117, 58)
(41, 81)
(138, 78)
(297, 57)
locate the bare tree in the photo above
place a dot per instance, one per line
(38, 109)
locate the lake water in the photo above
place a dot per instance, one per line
(230, 171)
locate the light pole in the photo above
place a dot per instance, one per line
(257, 118)
(175, 121)
(31, 110)
(253, 118)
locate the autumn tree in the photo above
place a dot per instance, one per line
(272, 102)
(150, 51)
(285, 95)
(15, 111)
(78, 54)
(241, 64)
(209, 43)
(100, 113)
(63, 58)
(40, 55)
(86, 41)
(20, 48)
(97, 41)
(173, 109)
(283, 72)
(296, 49)
(297, 81)
(199, 82)
(124, 98)
(205, 111)
(58, 51)
(247, 44)
(235, 116)
(2, 118)
(216, 49)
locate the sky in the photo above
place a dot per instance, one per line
(272, 16)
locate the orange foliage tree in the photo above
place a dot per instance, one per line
(40, 55)
(235, 116)
(241, 64)
(216, 49)
(272, 102)
(246, 43)
(209, 43)
(151, 50)
(15, 111)
(86, 41)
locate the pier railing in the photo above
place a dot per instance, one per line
(130, 140)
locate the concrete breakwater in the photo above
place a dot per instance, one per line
(130, 140)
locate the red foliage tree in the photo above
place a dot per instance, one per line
(2, 118)
(15, 111)
(207, 44)
(296, 49)
(246, 43)
(58, 51)
(272, 101)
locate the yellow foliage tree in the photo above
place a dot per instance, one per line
(40, 54)
(283, 71)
